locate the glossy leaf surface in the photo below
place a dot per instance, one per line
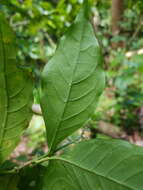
(97, 165)
(72, 81)
(15, 93)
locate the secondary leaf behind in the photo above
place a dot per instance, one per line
(15, 93)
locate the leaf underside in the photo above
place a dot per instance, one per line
(15, 93)
(97, 165)
(72, 82)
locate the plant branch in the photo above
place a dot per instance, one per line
(31, 163)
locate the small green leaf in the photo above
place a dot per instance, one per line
(9, 182)
(31, 178)
(28, 178)
(72, 81)
(97, 165)
(15, 93)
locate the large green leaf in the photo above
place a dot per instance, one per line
(15, 93)
(97, 165)
(72, 81)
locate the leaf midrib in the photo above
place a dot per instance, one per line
(82, 35)
(88, 170)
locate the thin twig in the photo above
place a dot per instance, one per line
(69, 143)
(31, 163)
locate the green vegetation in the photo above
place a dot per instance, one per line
(54, 68)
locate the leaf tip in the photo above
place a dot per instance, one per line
(84, 11)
